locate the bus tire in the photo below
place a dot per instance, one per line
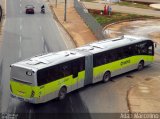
(106, 76)
(140, 65)
(62, 93)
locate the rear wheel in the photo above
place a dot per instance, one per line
(62, 93)
(140, 65)
(106, 76)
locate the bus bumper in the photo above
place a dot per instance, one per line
(30, 100)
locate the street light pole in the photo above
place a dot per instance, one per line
(56, 3)
(65, 10)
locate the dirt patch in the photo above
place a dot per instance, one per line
(148, 28)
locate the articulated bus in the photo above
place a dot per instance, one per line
(48, 76)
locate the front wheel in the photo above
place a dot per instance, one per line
(106, 76)
(140, 66)
(62, 93)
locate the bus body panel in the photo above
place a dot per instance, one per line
(21, 89)
(89, 69)
(120, 66)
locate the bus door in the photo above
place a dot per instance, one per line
(75, 70)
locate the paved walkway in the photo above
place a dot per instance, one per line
(145, 1)
(74, 25)
(123, 9)
(144, 97)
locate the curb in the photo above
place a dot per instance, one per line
(56, 18)
(128, 20)
(127, 99)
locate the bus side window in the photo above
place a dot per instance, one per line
(66, 69)
(111, 55)
(129, 51)
(75, 68)
(137, 49)
(150, 48)
(81, 64)
(120, 53)
(54, 73)
(42, 77)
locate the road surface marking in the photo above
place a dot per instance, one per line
(20, 0)
(20, 40)
(20, 27)
(40, 27)
(20, 5)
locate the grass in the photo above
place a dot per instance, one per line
(131, 4)
(88, 0)
(125, 3)
(115, 17)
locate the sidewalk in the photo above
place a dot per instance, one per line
(74, 25)
(145, 1)
(144, 97)
(123, 9)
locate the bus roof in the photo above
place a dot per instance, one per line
(109, 44)
(46, 60)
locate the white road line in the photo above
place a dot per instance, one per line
(20, 23)
(20, 41)
(20, 0)
(20, 5)
(40, 27)
(20, 27)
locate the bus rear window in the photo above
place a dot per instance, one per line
(22, 75)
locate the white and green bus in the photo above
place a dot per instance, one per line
(45, 77)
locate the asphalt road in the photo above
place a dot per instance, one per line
(25, 36)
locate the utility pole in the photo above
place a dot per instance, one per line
(56, 3)
(65, 10)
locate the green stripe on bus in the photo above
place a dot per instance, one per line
(113, 66)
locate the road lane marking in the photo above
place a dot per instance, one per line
(20, 27)
(40, 27)
(20, 0)
(20, 5)
(20, 41)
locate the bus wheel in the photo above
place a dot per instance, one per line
(62, 93)
(140, 65)
(106, 76)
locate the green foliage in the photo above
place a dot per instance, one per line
(115, 17)
(132, 4)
